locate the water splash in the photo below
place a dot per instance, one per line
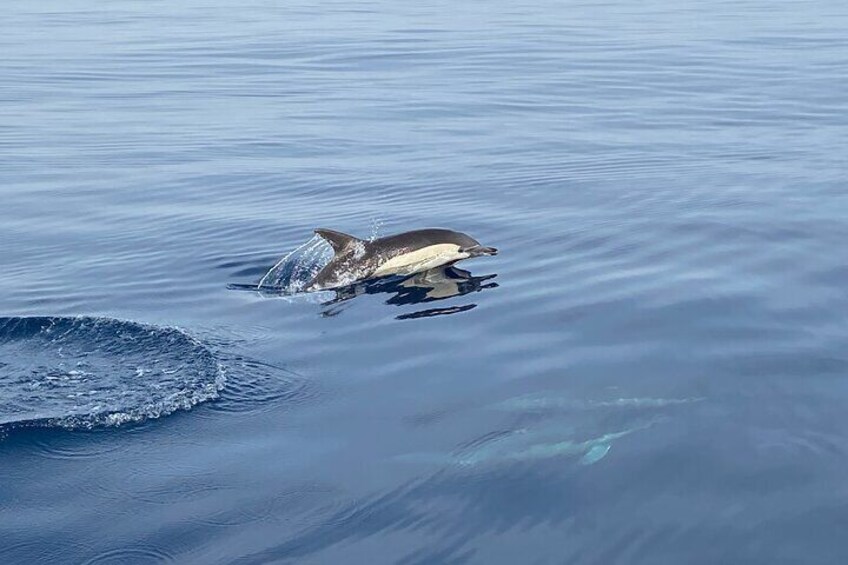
(376, 228)
(85, 372)
(293, 272)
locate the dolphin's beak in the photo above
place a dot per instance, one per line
(479, 250)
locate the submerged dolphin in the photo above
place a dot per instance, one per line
(402, 254)
(528, 445)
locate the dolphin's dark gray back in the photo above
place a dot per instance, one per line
(392, 245)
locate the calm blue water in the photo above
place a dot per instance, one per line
(653, 370)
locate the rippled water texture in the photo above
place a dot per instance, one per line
(651, 371)
(81, 372)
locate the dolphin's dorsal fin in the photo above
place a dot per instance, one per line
(337, 240)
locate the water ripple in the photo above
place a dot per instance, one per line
(136, 554)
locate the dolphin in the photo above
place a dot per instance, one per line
(527, 445)
(403, 254)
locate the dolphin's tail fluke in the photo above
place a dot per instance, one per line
(337, 240)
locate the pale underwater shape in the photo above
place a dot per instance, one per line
(528, 445)
(595, 454)
(538, 401)
(554, 439)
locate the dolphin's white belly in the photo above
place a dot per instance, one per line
(421, 260)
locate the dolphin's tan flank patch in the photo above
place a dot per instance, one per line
(421, 260)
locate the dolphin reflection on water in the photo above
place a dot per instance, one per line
(427, 287)
(421, 288)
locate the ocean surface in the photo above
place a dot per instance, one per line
(652, 371)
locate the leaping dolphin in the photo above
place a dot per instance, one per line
(406, 253)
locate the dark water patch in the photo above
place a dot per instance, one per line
(140, 554)
(356, 519)
(448, 505)
(155, 480)
(93, 444)
(265, 507)
(78, 373)
(178, 489)
(43, 551)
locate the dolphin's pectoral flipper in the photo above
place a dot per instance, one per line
(337, 240)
